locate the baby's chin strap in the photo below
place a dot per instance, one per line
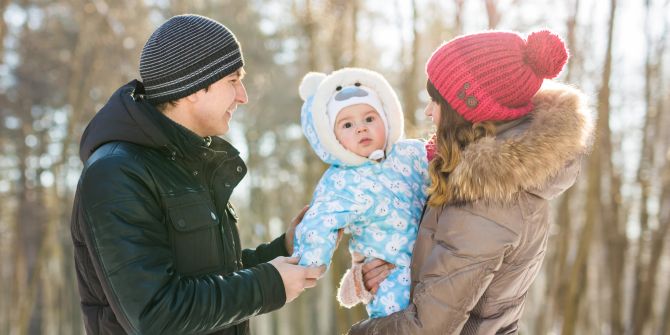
(379, 154)
(376, 155)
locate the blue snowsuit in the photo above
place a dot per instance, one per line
(378, 203)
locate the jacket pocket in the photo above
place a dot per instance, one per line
(196, 237)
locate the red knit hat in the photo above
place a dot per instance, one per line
(493, 75)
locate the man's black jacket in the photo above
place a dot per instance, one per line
(157, 249)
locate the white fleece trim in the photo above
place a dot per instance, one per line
(347, 77)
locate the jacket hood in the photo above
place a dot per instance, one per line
(316, 89)
(530, 154)
(129, 118)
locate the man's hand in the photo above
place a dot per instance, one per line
(296, 278)
(290, 231)
(374, 272)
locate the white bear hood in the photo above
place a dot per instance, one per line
(317, 88)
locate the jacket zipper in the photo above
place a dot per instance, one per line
(224, 216)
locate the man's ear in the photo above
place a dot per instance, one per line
(194, 97)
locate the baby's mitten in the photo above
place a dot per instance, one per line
(352, 289)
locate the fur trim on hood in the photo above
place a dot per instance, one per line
(529, 155)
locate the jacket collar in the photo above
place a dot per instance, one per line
(184, 143)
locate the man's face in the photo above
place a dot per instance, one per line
(360, 129)
(214, 107)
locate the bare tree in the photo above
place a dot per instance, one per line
(458, 17)
(3, 25)
(307, 22)
(492, 12)
(556, 268)
(411, 63)
(594, 205)
(664, 220)
(651, 241)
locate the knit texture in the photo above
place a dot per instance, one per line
(493, 75)
(185, 54)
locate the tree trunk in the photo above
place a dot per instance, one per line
(27, 244)
(664, 226)
(354, 5)
(556, 266)
(338, 9)
(578, 272)
(313, 167)
(409, 78)
(3, 28)
(18, 285)
(572, 43)
(492, 13)
(594, 206)
(556, 273)
(650, 244)
(458, 17)
(611, 229)
(664, 328)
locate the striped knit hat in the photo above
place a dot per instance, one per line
(493, 75)
(186, 54)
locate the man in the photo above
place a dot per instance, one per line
(157, 249)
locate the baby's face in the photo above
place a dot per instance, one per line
(360, 129)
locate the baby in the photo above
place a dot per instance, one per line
(375, 187)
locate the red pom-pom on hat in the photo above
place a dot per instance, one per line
(545, 53)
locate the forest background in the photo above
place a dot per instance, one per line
(608, 251)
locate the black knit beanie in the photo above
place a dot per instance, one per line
(185, 54)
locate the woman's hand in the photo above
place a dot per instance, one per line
(374, 272)
(290, 231)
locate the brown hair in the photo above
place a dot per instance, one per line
(454, 133)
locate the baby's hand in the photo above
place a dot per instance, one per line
(374, 272)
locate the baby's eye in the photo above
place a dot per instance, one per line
(369, 119)
(347, 125)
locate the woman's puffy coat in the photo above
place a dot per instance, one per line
(475, 259)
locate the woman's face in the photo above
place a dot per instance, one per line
(433, 111)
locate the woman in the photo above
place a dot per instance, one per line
(503, 148)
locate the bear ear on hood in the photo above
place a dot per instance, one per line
(310, 83)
